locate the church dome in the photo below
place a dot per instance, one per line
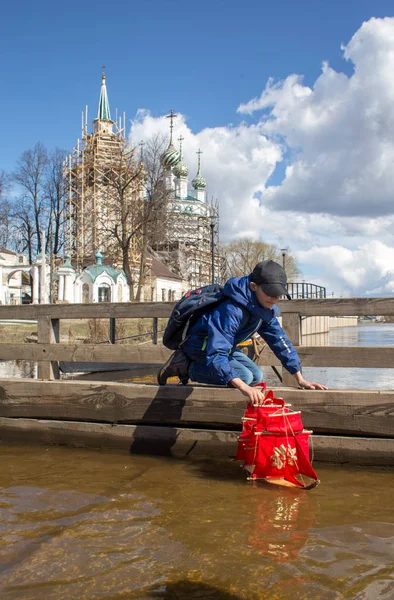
(170, 157)
(181, 169)
(199, 182)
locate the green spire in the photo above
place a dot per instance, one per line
(103, 112)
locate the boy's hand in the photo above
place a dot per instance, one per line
(308, 385)
(254, 394)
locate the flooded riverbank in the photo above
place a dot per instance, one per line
(79, 524)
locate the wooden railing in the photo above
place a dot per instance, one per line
(49, 351)
(349, 425)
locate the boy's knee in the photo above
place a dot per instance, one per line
(247, 377)
(258, 378)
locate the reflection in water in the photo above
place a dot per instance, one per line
(78, 524)
(281, 526)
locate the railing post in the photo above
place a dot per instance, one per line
(48, 333)
(291, 323)
(112, 330)
(155, 322)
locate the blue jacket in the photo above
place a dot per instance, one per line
(216, 333)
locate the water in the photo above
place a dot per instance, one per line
(364, 334)
(84, 524)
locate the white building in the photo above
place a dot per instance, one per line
(95, 283)
(103, 283)
(15, 273)
(165, 285)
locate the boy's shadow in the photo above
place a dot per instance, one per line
(157, 434)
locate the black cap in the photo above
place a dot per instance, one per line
(271, 278)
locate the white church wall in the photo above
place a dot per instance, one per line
(166, 290)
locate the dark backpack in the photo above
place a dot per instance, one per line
(188, 309)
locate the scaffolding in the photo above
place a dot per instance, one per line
(103, 180)
(191, 244)
(108, 198)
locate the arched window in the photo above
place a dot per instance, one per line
(85, 293)
(104, 293)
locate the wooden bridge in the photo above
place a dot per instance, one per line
(349, 425)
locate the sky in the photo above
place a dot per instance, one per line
(292, 104)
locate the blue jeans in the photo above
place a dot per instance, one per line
(246, 369)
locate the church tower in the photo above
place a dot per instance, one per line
(190, 243)
(106, 185)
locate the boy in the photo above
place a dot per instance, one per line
(210, 355)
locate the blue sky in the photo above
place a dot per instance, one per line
(202, 58)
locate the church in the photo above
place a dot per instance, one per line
(103, 208)
(109, 256)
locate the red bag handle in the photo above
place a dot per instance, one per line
(261, 385)
(270, 399)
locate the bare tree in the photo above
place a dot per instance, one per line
(243, 254)
(55, 190)
(30, 175)
(23, 226)
(122, 210)
(135, 206)
(5, 209)
(155, 205)
(4, 183)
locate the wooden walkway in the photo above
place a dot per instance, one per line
(354, 426)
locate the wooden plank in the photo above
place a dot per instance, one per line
(101, 310)
(355, 450)
(119, 353)
(312, 307)
(171, 441)
(291, 323)
(311, 356)
(338, 307)
(365, 413)
(354, 412)
(121, 402)
(380, 357)
(48, 334)
(167, 441)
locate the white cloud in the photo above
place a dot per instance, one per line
(366, 271)
(237, 161)
(340, 133)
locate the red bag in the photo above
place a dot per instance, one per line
(274, 445)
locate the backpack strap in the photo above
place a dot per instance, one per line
(244, 322)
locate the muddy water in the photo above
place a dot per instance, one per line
(82, 524)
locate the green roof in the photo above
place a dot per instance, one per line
(103, 112)
(96, 270)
